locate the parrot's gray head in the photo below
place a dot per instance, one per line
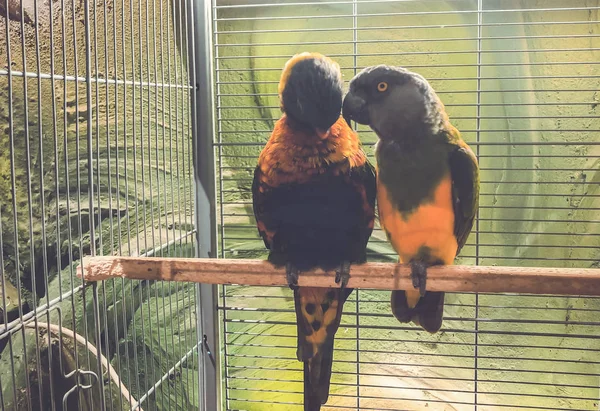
(311, 91)
(393, 101)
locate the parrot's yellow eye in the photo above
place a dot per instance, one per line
(382, 86)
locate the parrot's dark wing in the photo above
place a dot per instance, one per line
(260, 196)
(465, 190)
(365, 176)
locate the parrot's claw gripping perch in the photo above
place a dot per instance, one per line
(418, 273)
(342, 274)
(291, 275)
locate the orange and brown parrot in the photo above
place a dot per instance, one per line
(427, 180)
(314, 198)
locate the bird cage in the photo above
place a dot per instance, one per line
(132, 129)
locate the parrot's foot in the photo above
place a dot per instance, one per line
(342, 274)
(291, 275)
(418, 273)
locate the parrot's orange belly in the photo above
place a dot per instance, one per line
(430, 225)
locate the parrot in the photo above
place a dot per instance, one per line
(313, 195)
(427, 180)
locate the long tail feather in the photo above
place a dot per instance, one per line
(318, 314)
(428, 311)
(317, 376)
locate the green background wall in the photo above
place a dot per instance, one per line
(538, 148)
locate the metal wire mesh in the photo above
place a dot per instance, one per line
(520, 79)
(96, 159)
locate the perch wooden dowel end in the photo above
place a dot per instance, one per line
(378, 276)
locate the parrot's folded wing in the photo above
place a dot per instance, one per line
(465, 191)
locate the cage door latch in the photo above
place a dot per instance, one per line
(208, 350)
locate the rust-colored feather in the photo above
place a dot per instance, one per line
(295, 155)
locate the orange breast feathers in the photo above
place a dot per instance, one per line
(431, 224)
(295, 156)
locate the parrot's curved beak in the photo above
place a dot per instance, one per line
(323, 134)
(355, 108)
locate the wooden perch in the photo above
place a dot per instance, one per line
(378, 276)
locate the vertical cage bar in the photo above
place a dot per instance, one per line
(170, 250)
(164, 177)
(42, 200)
(89, 122)
(143, 285)
(119, 236)
(221, 251)
(205, 210)
(110, 203)
(97, 129)
(134, 139)
(78, 180)
(126, 184)
(14, 219)
(477, 137)
(183, 61)
(30, 187)
(90, 168)
(150, 172)
(357, 295)
(67, 183)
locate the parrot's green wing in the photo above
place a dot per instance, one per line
(465, 190)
